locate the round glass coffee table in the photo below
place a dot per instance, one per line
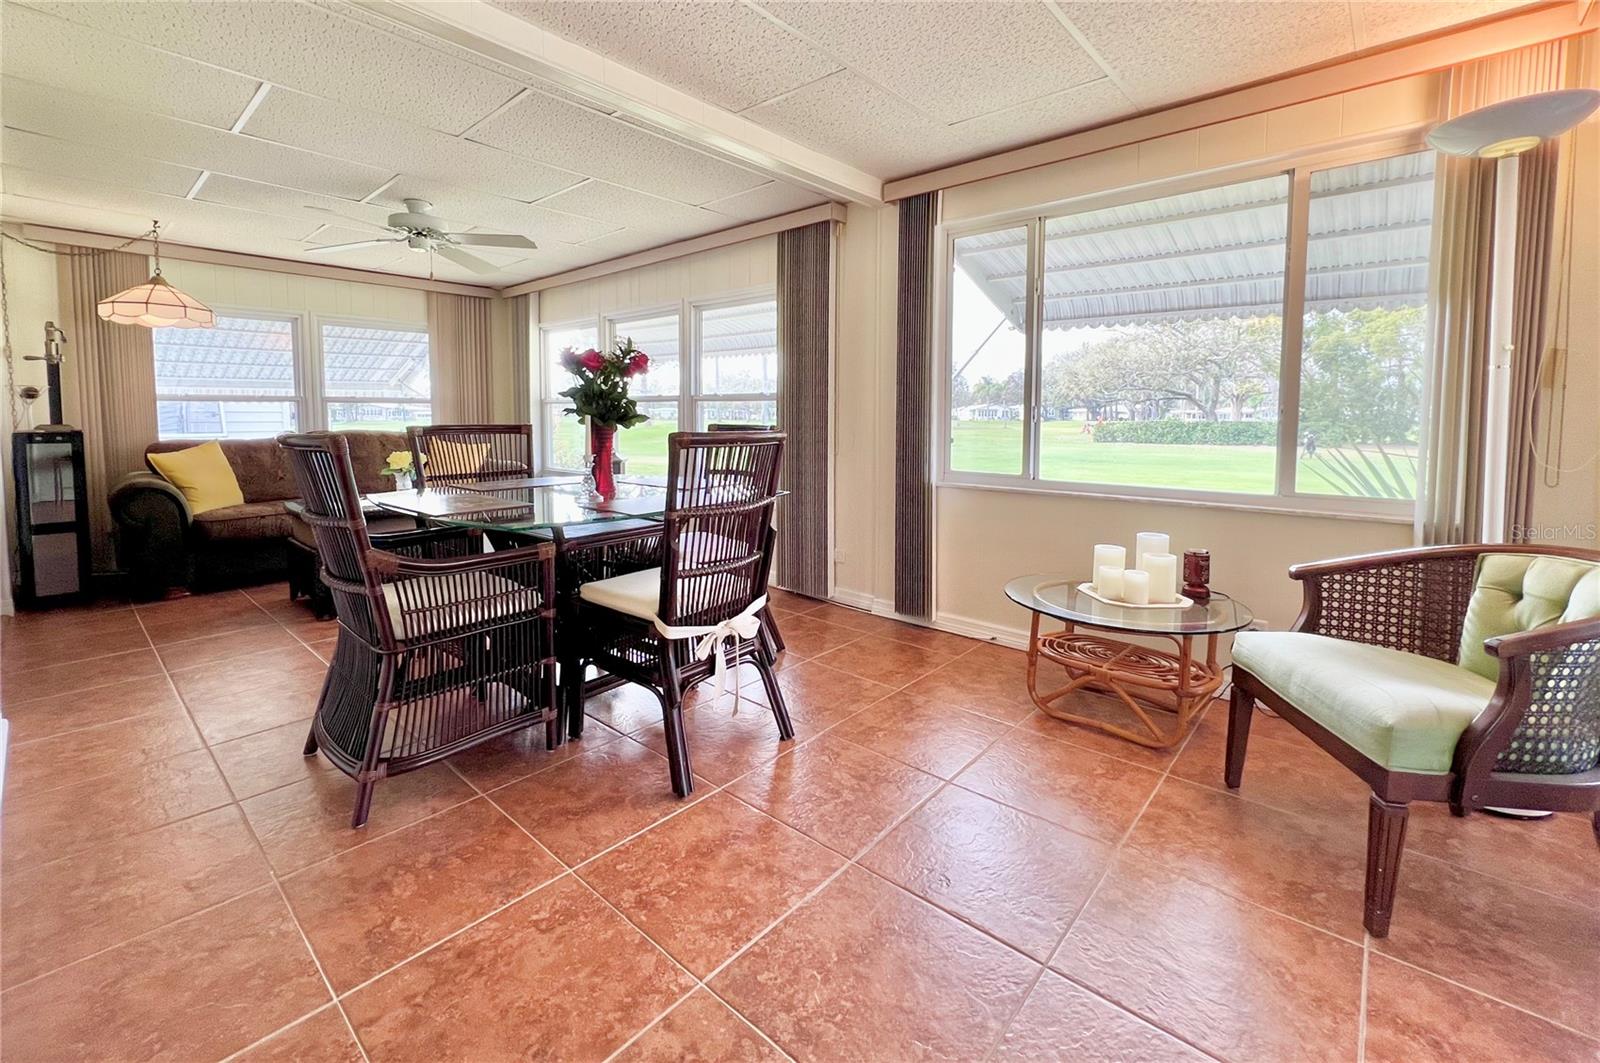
(1162, 690)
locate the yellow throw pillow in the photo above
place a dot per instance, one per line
(446, 457)
(203, 475)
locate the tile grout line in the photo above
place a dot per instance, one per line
(272, 872)
(1361, 1005)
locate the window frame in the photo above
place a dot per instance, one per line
(299, 360)
(604, 321)
(319, 379)
(1285, 497)
(696, 394)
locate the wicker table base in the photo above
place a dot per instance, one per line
(1150, 683)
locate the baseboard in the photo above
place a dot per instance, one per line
(1016, 638)
(855, 599)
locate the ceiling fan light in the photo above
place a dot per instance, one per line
(1511, 127)
(155, 304)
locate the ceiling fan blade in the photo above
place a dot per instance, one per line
(466, 261)
(352, 247)
(493, 240)
(345, 219)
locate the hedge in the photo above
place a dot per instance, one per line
(1211, 433)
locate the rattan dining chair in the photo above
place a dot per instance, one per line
(771, 637)
(696, 616)
(470, 453)
(440, 645)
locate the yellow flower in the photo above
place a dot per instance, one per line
(399, 461)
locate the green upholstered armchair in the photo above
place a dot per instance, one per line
(1464, 674)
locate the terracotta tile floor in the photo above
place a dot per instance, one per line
(932, 870)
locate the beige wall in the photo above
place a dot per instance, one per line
(706, 275)
(985, 537)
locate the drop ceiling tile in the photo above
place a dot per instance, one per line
(313, 49)
(723, 53)
(848, 117)
(767, 201)
(555, 132)
(626, 208)
(284, 202)
(952, 60)
(52, 51)
(465, 209)
(1382, 23)
(1054, 115)
(17, 208)
(30, 151)
(288, 117)
(72, 116)
(1174, 51)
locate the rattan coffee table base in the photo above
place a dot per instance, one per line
(1162, 691)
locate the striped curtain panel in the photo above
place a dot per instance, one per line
(805, 348)
(913, 486)
(460, 356)
(108, 381)
(522, 357)
(1536, 211)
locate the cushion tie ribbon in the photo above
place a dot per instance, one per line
(714, 639)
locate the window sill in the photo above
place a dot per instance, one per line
(1267, 504)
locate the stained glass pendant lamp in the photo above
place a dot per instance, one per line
(1512, 127)
(155, 303)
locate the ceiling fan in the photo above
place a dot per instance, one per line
(421, 230)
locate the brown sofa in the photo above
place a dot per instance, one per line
(161, 545)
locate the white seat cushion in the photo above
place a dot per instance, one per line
(508, 598)
(633, 593)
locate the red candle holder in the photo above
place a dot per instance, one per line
(1197, 574)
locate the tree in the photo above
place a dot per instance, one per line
(1361, 375)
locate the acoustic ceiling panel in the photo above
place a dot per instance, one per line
(1079, 107)
(52, 51)
(1381, 23)
(624, 207)
(725, 53)
(850, 118)
(30, 151)
(288, 117)
(952, 61)
(766, 201)
(311, 48)
(552, 131)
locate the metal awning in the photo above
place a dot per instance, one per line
(1219, 252)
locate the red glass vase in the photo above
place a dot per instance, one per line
(602, 442)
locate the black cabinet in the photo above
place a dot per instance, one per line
(52, 516)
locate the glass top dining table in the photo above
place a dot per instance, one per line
(525, 506)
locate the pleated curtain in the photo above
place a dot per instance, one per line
(1537, 173)
(522, 357)
(805, 352)
(108, 381)
(913, 483)
(460, 354)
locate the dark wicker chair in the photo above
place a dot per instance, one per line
(771, 637)
(440, 647)
(716, 545)
(470, 453)
(1511, 720)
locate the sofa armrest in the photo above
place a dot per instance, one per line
(1551, 672)
(152, 534)
(1410, 600)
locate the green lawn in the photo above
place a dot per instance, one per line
(1066, 453)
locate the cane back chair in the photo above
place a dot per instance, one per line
(1460, 674)
(440, 646)
(667, 628)
(470, 453)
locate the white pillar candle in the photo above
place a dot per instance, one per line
(1149, 543)
(1108, 582)
(1163, 570)
(1136, 587)
(1107, 556)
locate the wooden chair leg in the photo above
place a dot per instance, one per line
(672, 724)
(571, 696)
(311, 741)
(769, 629)
(1597, 828)
(780, 711)
(1241, 710)
(358, 818)
(1386, 839)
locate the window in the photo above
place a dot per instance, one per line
(1142, 347)
(234, 381)
(375, 377)
(564, 443)
(644, 446)
(736, 370)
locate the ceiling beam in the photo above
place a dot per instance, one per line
(186, 253)
(480, 27)
(1536, 25)
(694, 245)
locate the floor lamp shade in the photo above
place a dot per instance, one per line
(1514, 126)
